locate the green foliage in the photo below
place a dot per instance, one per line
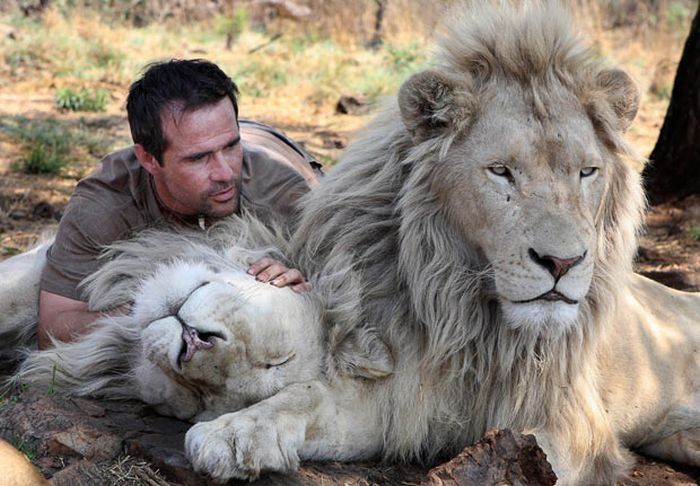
(85, 99)
(404, 58)
(41, 160)
(52, 389)
(24, 447)
(299, 44)
(46, 146)
(23, 56)
(49, 145)
(694, 232)
(7, 397)
(8, 251)
(234, 25)
(257, 77)
(676, 15)
(663, 92)
(103, 56)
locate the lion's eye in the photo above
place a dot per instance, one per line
(273, 363)
(588, 171)
(500, 170)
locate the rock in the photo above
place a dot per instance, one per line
(351, 105)
(43, 210)
(331, 139)
(501, 457)
(18, 214)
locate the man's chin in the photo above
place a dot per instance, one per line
(218, 210)
(221, 211)
(218, 207)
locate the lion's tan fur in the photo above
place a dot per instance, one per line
(16, 468)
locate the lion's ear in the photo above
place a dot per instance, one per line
(431, 102)
(362, 353)
(621, 96)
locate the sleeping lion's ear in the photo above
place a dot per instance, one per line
(431, 102)
(362, 353)
(621, 96)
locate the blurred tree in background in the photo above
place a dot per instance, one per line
(674, 170)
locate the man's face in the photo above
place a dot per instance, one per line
(201, 166)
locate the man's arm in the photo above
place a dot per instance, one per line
(63, 318)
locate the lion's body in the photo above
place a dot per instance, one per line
(481, 232)
(429, 238)
(174, 282)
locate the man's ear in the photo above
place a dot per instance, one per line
(147, 160)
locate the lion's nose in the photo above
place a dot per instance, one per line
(193, 340)
(556, 266)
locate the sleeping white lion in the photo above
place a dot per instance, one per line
(197, 322)
(199, 337)
(472, 259)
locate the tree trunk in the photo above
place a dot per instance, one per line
(378, 36)
(674, 169)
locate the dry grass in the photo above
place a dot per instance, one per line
(129, 471)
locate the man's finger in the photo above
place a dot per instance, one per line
(291, 276)
(272, 272)
(260, 265)
(301, 287)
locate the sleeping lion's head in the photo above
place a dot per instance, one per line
(531, 169)
(214, 342)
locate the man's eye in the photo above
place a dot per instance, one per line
(588, 171)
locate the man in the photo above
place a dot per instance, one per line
(191, 164)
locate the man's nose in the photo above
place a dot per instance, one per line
(221, 169)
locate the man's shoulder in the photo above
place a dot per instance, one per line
(267, 145)
(115, 198)
(118, 171)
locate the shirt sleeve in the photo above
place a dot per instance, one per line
(82, 233)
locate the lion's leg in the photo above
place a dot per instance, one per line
(681, 435)
(304, 421)
(583, 463)
(682, 447)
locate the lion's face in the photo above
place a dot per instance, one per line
(524, 183)
(529, 193)
(214, 342)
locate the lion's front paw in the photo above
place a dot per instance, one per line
(244, 444)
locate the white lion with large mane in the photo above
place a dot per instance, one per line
(472, 256)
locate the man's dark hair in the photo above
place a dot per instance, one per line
(189, 84)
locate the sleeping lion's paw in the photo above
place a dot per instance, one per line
(244, 444)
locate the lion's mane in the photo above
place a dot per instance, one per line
(428, 293)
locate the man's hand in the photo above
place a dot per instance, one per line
(269, 270)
